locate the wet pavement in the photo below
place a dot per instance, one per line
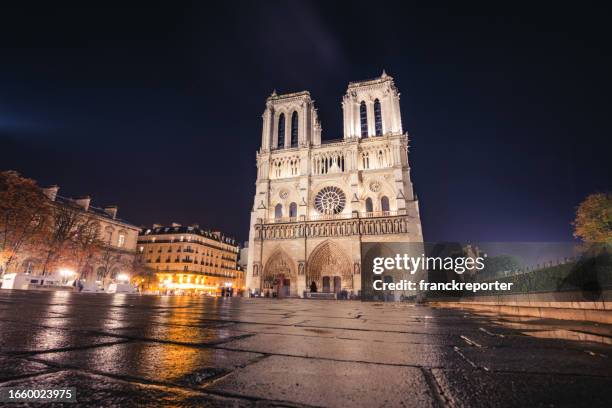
(129, 350)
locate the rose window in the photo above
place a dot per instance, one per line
(330, 200)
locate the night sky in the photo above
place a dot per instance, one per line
(158, 109)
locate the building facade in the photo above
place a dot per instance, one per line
(115, 257)
(317, 201)
(190, 259)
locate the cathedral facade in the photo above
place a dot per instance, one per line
(317, 202)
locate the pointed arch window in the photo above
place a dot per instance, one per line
(384, 204)
(278, 211)
(292, 210)
(281, 131)
(294, 129)
(363, 117)
(377, 118)
(368, 205)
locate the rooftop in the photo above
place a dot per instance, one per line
(109, 213)
(191, 229)
(378, 80)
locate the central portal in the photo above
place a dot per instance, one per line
(330, 269)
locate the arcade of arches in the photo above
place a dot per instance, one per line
(328, 267)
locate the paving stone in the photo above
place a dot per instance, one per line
(27, 338)
(477, 388)
(11, 367)
(299, 351)
(349, 350)
(97, 391)
(165, 363)
(329, 383)
(539, 360)
(179, 334)
(369, 335)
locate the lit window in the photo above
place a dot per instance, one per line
(121, 241)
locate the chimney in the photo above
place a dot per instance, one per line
(111, 210)
(176, 224)
(83, 202)
(51, 192)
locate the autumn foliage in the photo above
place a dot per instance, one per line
(30, 223)
(593, 223)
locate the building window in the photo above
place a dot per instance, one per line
(363, 116)
(366, 160)
(377, 118)
(384, 204)
(278, 211)
(294, 129)
(369, 206)
(281, 131)
(121, 241)
(292, 210)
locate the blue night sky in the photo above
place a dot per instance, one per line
(158, 109)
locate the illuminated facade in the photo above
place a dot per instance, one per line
(317, 201)
(190, 259)
(116, 258)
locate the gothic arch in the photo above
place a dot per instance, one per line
(329, 260)
(294, 129)
(368, 277)
(363, 119)
(280, 144)
(279, 263)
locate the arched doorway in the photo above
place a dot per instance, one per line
(330, 269)
(279, 276)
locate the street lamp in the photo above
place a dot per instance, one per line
(65, 272)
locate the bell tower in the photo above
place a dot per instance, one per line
(290, 120)
(371, 108)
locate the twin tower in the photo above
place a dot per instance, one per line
(317, 202)
(370, 108)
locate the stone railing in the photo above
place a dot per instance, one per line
(335, 227)
(327, 217)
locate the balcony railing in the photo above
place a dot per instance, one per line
(325, 217)
(369, 223)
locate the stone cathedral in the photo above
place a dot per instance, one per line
(317, 202)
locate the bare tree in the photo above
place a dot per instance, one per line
(109, 259)
(24, 216)
(70, 228)
(86, 246)
(143, 275)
